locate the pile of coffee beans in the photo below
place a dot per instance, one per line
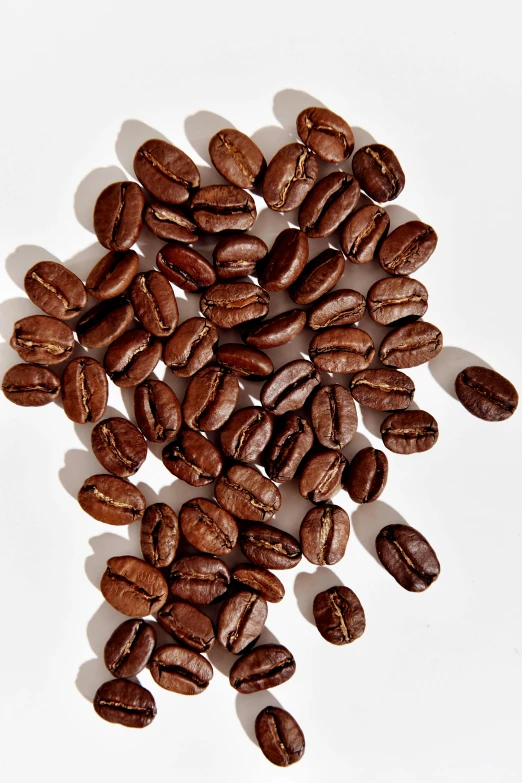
(297, 432)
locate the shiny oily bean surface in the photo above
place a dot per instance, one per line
(276, 331)
(292, 440)
(217, 208)
(193, 459)
(129, 648)
(30, 385)
(132, 358)
(321, 475)
(325, 133)
(409, 432)
(84, 390)
(133, 587)
(334, 417)
(182, 671)
(339, 615)
(210, 398)
(260, 579)
(208, 527)
(289, 387)
(486, 394)
(407, 248)
(338, 308)
(286, 260)
(318, 277)
(55, 290)
(329, 202)
(188, 625)
(366, 476)
(263, 667)
(396, 299)
(246, 434)
(342, 350)
(238, 256)
(125, 702)
(117, 215)
(324, 534)
(411, 345)
(246, 494)
(245, 361)
(241, 620)
(104, 323)
(157, 411)
(42, 339)
(378, 172)
(113, 274)
(237, 158)
(166, 171)
(408, 557)
(290, 175)
(185, 267)
(154, 303)
(269, 547)
(190, 347)
(159, 535)
(383, 390)
(279, 736)
(118, 446)
(232, 304)
(200, 579)
(111, 500)
(363, 232)
(170, 223)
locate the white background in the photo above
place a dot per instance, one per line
(432, 691)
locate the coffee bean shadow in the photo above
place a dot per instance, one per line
(93, 673)
(199, 129)
(90, 188)
(188, 307)
(289, 103)
(13, 310)
(357, 443)
(83, 431)
(130, 136)
(8, 358)
(127, 398)
(271, 138)
(23, 258)
(399, 215)
(372, 420)
(103, 547)
(221, 659)
(307, 585)
(79, 465)
(174, 494)
(293, 509)
(149, 246)
(447, 365)
(361, 137)
(369, 519)
(268, 225)
(209, 176)
(248, 707)
(82, 263)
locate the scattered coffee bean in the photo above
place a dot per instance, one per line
(185, 267)
(104, 323)
(269, 547)
(289, 387)
(117, 215)
(246, 434)
(125, 702)
(210, 398)
(286, 260)
(200, 579)
(113, 274)
(157, 411)
(246, 494)
(321, 475)
(167, 172)
(263, 667)
(324, 534)
(379, 172)
(133, 587)
(325, 133)
(111, 500)
(486, 394)
(238, 256)
(279, 736)
(129, 648)
(409, 432)
(343, 349)
(276, 331)
(188, 625)
(55, 290)
(318, 277)
(397, 299)
(334, 417)
(339, 615)
(363, 232)
(84, 390)
(241, 619)
(232, 304)
(259, 579)
(217, 208)
(365, 478)
(339, 308)
(407, 248)
(292, 440)
(411, 345)
(30, 385)
(154, 303)
(170, 223)
(42, 339)
(383, 390)
(237, 158)
(118, 446)
(408, 557)
(190, 347)
(159, 535)
(182, 671)
(132, 358)
(329, 202)
(193, 459)
(208, 527)
(290, 175)
(245, 361)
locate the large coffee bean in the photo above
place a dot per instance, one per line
(185, 267)
(154, 303)
(339, 308)
(241, 619)
(157, 411)
(339, 615)
(290, 175)
(170, 223)
(188, 625)
(129, 648)
(409, 432)
(30, 385)
(217, 208)
(486, 394)
(321, 475)
(378, 172)
(363, 232)
(117, 215)
(245, 361)
(166, 171)
(125, 702)
(292, 440)
(238, 256)
(55, 290)
(365, 478)
(200, 579)
(408, 557)
(111, 500)
(285, 262)
(190, 347)
(193, 458)
(324, 534)
(329, 202)
(289, 387)
(263, 667)
(334, 417)
(104, 323)
(132, 358)
(118, 446)
(210, 398)
(318, 277)
(395, 299)
(325, 133)
(42, 339)
(182, 671)
(159, 535)
(246, 494)
(343, 349)
(407, 248)
(411, 345)
(237, 158)
(279, 736)
(246, 434)
(113, 274)
(269, 547)
(85, 390)
(208, 527)
(260, 580)
(133, 587)
(232, 304)
(276, 331)
(383, 390)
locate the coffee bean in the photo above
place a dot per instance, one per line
(286, 260)
(118, 446)
(208, 527)
(365, 478)
(113, 274)
(159, 535)
(132, 358)
(42, 339)
(111, 500)
(329, 202)
(363, 232)
(241, 620)
(200, 579)
(30, 385)
(408, 557)
(411, 345)
(486, 394)
(343, 349)
(407, 248)
(276, 331)
(117, 215)
(383, 390)
(85, 390)
(210, 398)
(321, 475)
(397, 299)
(292, 440)
(327, 134)
(339, 308)
(185, 267)
(279, 736)
(232, 304)
(334, 417)
(104, 323)
(290, 175)
(289, 387)
(170, 223)
(318, 277)
(259, 579)
(157, 411)
(238, 256)
(166, 171)
(188, 625)
(246, 494)
(245, 361)
(154, 303)
(339, 615)
(217, 208)
(125, 702)
(129, 648)
(245, 435)
(55, 290)
(179, 670)
(263, 667)
(269, 547)
(409, 432)
(133, 587)
(324, 534)
(379, 172)
(237, 158)
(190, 347)
(193, 459)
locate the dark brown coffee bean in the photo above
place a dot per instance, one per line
(289, 387)
(363, 232)
(188, 625)
(118, 446)
(129, 648)
(170, 223)
(190, 347)
(245, 361)
(366, 476)
(182, 671)
(85, 390)
(321, 475)
(42, 339)
(237, 158)
(159, 535)
(318, 277)
(193, 458)
(260, 580)
(154, 303)
(334, 417)
(279, 736)
(269, 547)
(104, 323)
(200, 579)
(292, 440)
(409, 432)
(343, 349)
(263, 667)
(133, 587)
(407, 248)
(30, 385)
(246, 434)
(166, 171)
(185, 267)
(383, 390)
(379, 172)
(125, 702)
(324, 534)
(217, 208)
(157, 411)
(408, 557)
(339, 308)
(132, 358)
(117, 215)
(208, 527)
(246, 494)
(111, 500)
(210, 398)
(327, 134)
(286, 260)
(238, 256)
(411, 345)
(113, 274)
(55, 290)
(276, 331)
(486, 394)
(329, 202)
(339, 615)
(397, 299)
(290, 175)
(241, 619)
(232, 304)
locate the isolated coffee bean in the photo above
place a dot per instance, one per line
(325, 133)
(113, 274)
(378, 172)
(334, 417)
(397, 299)
(383, 390)
(210, 398)
(338, 308)
(329, 202)
(293, 439)
(159, 535)
(237, 158)
(42, 339)
(246, 434)
(104, 323)
(111, 500)
(289, 387)
(133, 587)
(182, 671)
(208, 527)
(290, 175)
(118, 446)
(263, 667)
(170, 223)
(321, 475)
(365, 478)
(411, 345)
(193, 458)
(241, 620)
(166, 171)
(157, 411)
(339, 615)
(285, 262)
(129, 648)
(486, 394)
(84, 390)
(232, 304)
(324, 534)
(407, 248)
(409, 432)
(200, 579)
(279, 736)
(188, 625)
(55, 290)
(245, 361)
(318, 277)
(154, 303)
(259, 579)
(30, 385)
(125, 702)
(246, 494)
(185, 267)
(132, 358)
(276, 331)
(238, 256)
(343, 349)
(363, 232)
(217, 208)
(269, 547)
(117, 215)
(408, 557)
(190, 347)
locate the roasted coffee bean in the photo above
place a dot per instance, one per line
(334, 417)
(397, 299)
(133, 587)
(269, 547)
(383, 390)
(343, 349)
(232, 304)
(117, 215)
(411, 345)
(324, 534)
(325, 133)
(217, 208)
(132, 358)
(118, 446)
(259, 579)
(111, 500)
(286, 260)
(30, 385)
(193, 458)
(113, 274)
(170, 223)
(208, 527)
(55, 290)
(290, 175)
(182, 671)
(289, 387)
(104, 323)
(408, 432)
(245, 361)
(408, 557)
(237, 158)
(279, 736)
(185, 267)
(200, 579)
(238, 256)
(329, 202)
(365, 478)
(125, 702)
(241, 619)
(321, 475)
(292, 440)
(129, 648)
(154, 303)
(210, 398)
(407, 248)
(486, 394)
(318, 277)
(159, 535)
(157, 411)
(263, 667)
(42, 339)
(339, 308)
(246, 494)
(276, 331)
(246, 434)
(166, 171)
(379, 172)
(84, 390)
(190, 347)
(363, 232)
(339, 615)
(188, 625)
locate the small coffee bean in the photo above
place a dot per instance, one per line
(193, 459)
(129, 648)
(157, 411)
(263, 667)
(259, 579)
(279, 736)
(339, 308)
(132, 358)
(55, 290)
(246, 494)
(334, 417)
(113, 274)
(182, 671)
(217, 208)
(241, 620)
(286, 260)
(237, 158)
(329, 202)
(170, 223)
(159, 535)
(125, 702)
(232, 304)
(133, 587)
(245, 435)
(324, 534)
(289, 387)
(408, 557)
(166, 171)
(154, 303)
(363, 232)
(378, 172)
(85, 390)
(208, 527)
(104, 323)
(343, 349)
(200, 579)
(409, 432)
(190, 347)
(486, 394)
(321, 475)
(292, 440)
(411, 345)
(397, 299)
(185, 267)
(276, 331)
(245, 361)
(290, 175)
(325, 133)
(339, 615)
(30, 385)
(42, 339)
(117, 215)
(118, 446)
(365, 478)
(111, 500)
(383, 390)
(407, 248)
(188, 625)
(269, 547)
(318, 277)
(238, 256)
(210, 398)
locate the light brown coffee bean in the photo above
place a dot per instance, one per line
(190, 347)
(363, 232)
(329, 202)
(411, 345)
(154, 303)
(237, 158)
(321, 475)
(276, 331)
(318, 277)
(342, 349)
(85, 390)
(210, 398)
(185, 267)
(133, 587)
(157, 411)
(113, 274)
(132, 358)
(42, 339)
(166, 171)
(338, 308)
(170, 223)
(327, 134)
(30, 385)
(324, 534)
(182, 671)
(159, 535)
(117, 215)
(55, 290)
